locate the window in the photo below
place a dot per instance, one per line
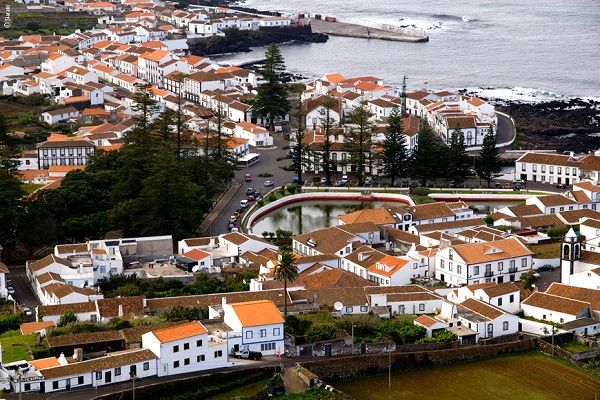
(422, 307)
(176, 349)
(363, 309)
(186, 361)
(80, 380)
(98, 375)
(543, 168)
(512, 263)
(523, 167)
(199, 343)
(559, 170)
(534, 168)
(442, 262)
(450, 267)
(459, 269)
(476, 270)
(490, 328)
(511, 299)
(176, 364)
(146, 366)
(500, 266)
(551, 169)
(248, 334)
(218, 353)
(505, 326)
(499, 301)
(523, 262)
(349, 309)
(267, 347)
(117, 371)
(567, 170)
(451, 254)
(186, 346)
(263, 332)
(55, 383)
(200, 358)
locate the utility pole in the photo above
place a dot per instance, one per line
(390, 369)
(403, 97)
(133, 383)
(353, 325)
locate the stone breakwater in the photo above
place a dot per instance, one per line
(361, 31)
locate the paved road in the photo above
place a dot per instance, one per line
(23, 293)
(505, 131)
(268, 163)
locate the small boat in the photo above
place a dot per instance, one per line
(466, 19)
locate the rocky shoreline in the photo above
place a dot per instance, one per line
(570, 125)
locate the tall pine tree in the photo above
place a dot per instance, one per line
(395, 153)
(458, 161)
(271, 100)
(359, 144)
(327, 125)
(424, 163)
(488, 163)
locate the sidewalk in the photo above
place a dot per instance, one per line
(220, 204)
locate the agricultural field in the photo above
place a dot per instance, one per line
(525, 376)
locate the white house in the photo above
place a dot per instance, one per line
(558, 309)
(237, 243)
(256, 325)
(185, 348)
(62, 114)
(56, 63)
(7, 70)
(506, 296)
(256, 135)
(3, 272)
(498, 261)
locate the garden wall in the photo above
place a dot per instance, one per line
(360, 366)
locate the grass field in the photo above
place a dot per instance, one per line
(518, 377)
(246, 390)
(546, 250)
(31, 187)
(15, 346)
(574, 347)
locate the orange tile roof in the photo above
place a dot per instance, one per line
(196, 254)
(393, 264)
(260, 312)
(65, 168)
(426, 320)
(45, 363)
(111, 147)
(31, 327)
(474, 253)
(156, 55)
(178, 332)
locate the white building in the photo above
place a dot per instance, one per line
(256, 325)
(186, 348)
(554, 308)
(256, 135)
(498, 261)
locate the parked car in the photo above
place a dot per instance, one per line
(234, 230)
(344, 179)
(268, 183)
(369, 181)
(498, 185)
(561, 186)
(27, 311)
(250, 197)
(244, 204)
(10, 290)
(248, 178)
(249, 191)
(546, 268)
(250, 355)
(230, 226)
(537, 275)
(296, 181)
(323, 180)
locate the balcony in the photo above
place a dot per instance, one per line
(488, 274)
(512, 270)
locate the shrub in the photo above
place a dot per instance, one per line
(260, 203)
(488, 220)
(318, 332)
(120, 324)
(66, 319)
(272, 197)
(421, 191)
(9, 322)
(558, 231)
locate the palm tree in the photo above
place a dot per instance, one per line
(286, 271)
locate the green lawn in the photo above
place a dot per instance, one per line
(574, 347)
(546, 250)
(15, 346)
(247, 390)
(31, 187)
(530, 376)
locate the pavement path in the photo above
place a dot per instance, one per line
(268, 163)
(292, 382)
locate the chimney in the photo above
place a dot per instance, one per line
(62, 360)
(78, 354)
(223, 301)
(120, 314)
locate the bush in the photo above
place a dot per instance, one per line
(180, 313)
(488, 220)
(9, 322)
(296, 326)
(558, 231)
(421, 191)
(66, 319)
(118, 324)
(272, 197)
(260, 203)
(440, 336)
(402, 330)
(319, 332)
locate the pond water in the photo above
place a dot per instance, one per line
(312, 215)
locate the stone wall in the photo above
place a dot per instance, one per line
(356, 366)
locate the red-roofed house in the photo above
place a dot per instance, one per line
(256, 135)
(203, 259)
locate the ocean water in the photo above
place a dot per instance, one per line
(528, 50)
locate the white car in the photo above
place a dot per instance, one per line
(268, 183)
(10, 290)
(344, 179)
(27, 311)
(244, 203)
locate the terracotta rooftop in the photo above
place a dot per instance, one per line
(183, 331)
(255, 313)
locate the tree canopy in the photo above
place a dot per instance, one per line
(395, 152)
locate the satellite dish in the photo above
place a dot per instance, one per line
(338, 306)
(196, 268)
